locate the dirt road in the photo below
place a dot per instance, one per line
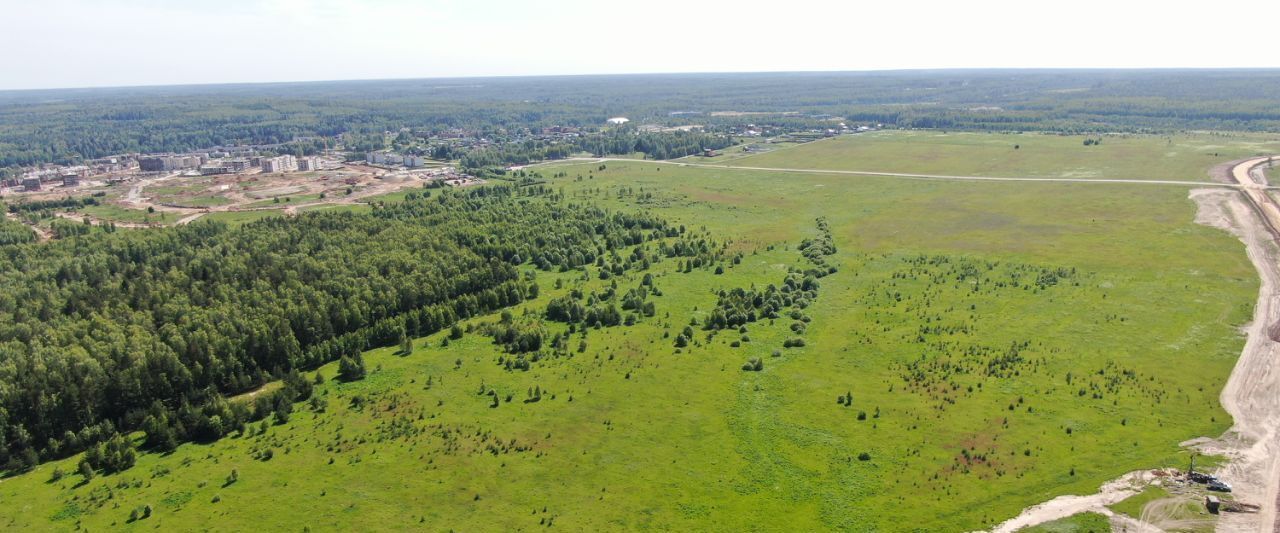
(903, 175)
(1063, 506)
(1252, 394)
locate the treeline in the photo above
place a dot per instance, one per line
(12, 231)
(28, 206)
(66, 126)
(622, 141)
(737, 307)
(101, 330)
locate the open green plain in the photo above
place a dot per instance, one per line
(1003, 343)
(116, 213)
(1181, 157)
(236, 218)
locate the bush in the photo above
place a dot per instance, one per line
(864, 456)
(350, 369)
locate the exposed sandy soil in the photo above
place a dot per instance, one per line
(1252, 394)
(1063, 506)
(370, 182)
(1162, 515)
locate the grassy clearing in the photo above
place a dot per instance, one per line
(236, 218)
(1174, 157)
(354, 208)
(199, 201)
(116, 213)
(1081, 523)
(1133, 505)
(1003, 343)
(285, 200)
(749, 146)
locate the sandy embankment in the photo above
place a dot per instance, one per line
(1252, 394)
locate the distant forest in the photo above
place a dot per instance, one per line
(73, 124)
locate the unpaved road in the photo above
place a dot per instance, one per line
(1063, 506)
(896, 174)
(1252, 394)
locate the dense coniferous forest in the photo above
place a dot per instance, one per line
(113, 330)
(70, 125)
(623, 141)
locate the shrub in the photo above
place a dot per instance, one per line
(351, 369)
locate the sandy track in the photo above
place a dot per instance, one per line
(1063, 506)
(1162, 515)
(1252, 394)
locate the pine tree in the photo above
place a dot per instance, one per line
(406, 343)
(350, 369)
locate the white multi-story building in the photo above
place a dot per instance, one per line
(383, 158)
(284, 163)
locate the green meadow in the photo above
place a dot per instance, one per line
(981, 347)
(117, 213)
(1081, 523)
(1182, 157)
(242, 217)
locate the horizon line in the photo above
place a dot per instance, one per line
(627, 74)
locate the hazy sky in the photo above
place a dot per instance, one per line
(78, 43)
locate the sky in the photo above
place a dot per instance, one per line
(92, 43)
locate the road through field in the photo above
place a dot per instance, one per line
(1183, 183)
(1252, 393)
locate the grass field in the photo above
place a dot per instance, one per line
(116, 213)
(1133, 505)
(1003, 343)
(242, 217)
(355, 208)
(208, 200)
(1081, 523)
(1174, 157)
